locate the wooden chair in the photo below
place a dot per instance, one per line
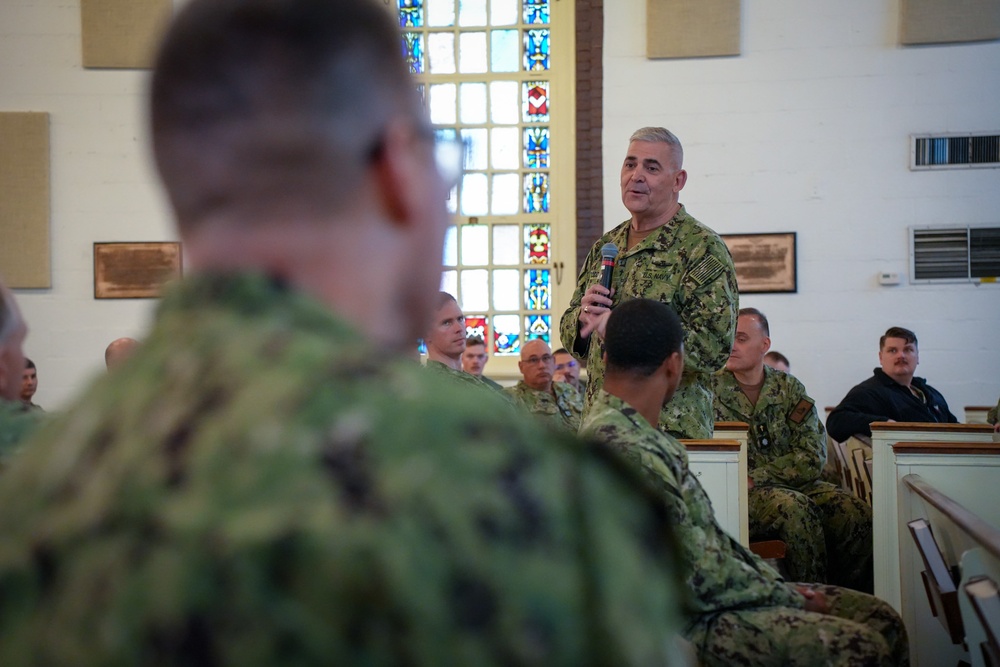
(772, 551)
(844, 466)
(939, 581)
(985, 599)
(862, 476)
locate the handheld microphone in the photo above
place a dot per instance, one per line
(609, 251)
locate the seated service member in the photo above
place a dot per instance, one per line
(828, 532)
(777, 361)
(538, 394)
(568, 370)
(742, 612)
(892, 394)
(17, 419)
(474, 360)
(271, 479)
(29, 385)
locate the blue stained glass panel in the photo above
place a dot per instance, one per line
(411, 13)
(506, 334)
(413, 51)
(536, 193)
(537, 289)
(538, 326)
(536, 147)
(536, 49)
(536, 11)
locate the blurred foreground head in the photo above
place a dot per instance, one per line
(290, 139)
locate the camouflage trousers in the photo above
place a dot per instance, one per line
(689, 414)
(828, 532)
(859, 631)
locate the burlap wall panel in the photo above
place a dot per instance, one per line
(24, 200)
(692, 28)
(943, 21)
(122, 33)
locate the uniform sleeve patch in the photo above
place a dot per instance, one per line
(707, 270)
(800, 411)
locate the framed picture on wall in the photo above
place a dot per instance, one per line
(134, 270)
(765, 263)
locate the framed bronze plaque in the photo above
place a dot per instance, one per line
(764, 262)
(134, 270)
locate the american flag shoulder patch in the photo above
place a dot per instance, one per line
(707, 270)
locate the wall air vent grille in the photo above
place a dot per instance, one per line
(954, 151)
(954, 254)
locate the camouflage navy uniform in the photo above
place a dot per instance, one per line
(565, 408)
(467, 379)
(828, 531)
(686, 266)
(742, 612)
(992, 416)
(260, 485)
(17, 422)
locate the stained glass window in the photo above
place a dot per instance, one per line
(537, 289)
(536, 49)
(538, 326)
(506, 334)
(536, 147)
(413, 50)
(536, 11)
(536, 193)
(411, 13)
(536, 101)
(486, 70)
(536, 244)
(475, 325)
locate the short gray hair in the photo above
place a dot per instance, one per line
(663, 136)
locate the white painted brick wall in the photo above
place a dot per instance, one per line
(808, 131)
(103, 188)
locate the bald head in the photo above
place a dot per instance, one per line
(537, 365)
(118, 351)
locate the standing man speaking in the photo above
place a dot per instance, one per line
(666, 255)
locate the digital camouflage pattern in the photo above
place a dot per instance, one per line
(685, 265)
(565, 408)
(742, 612)
(260, 485)
(17, 422)
(828, 532)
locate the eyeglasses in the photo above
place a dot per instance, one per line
(569, 364)
(449, 156)
(545, 359)
(450, 152)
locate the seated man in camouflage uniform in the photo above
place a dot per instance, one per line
(445, 341)
(271, 479)
(17, 419)
(742, 612)
(568, 370)
(557, 402)
(828, 531)
(474, 360)
(29, 385)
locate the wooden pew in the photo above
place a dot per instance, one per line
(976, 414)
(720, 466)
(970, 541)
(962, 470)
